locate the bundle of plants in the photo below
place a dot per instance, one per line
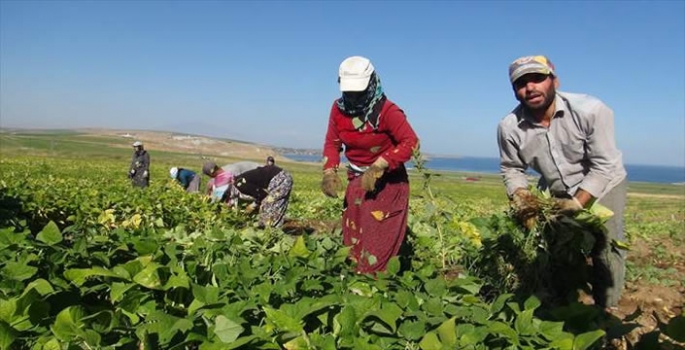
(546, 254)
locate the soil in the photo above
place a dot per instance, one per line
(310, 226)
(647, 304)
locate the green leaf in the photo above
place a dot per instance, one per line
(52, 344)
(552, 330)
(531, 303)
(499, 303)
(676, 328)
(435, 287)
(299, 249)
(393, 266)
(205, 294)
(504, 330)
(472, 336)
(620, 244)
(448, 333)
(389, 313)
(9, 238)
(226, 329)
(79, 276)
(430, 342)
(149, 277)
(118, 290)
(433, 306)
(50, 234)
(7, 336)
(18, 271)
(296, 343)
(345, 322)
(524, 322)
(7, 309)
(412, 330)
(40, 285)
(177, 281)
(145, 247)
(585, 340)
(68, 323)
(282, 321)
(601, 211)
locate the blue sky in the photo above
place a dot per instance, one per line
(266, 71)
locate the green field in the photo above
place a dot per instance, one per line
(89, 262)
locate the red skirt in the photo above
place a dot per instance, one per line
(375, 224)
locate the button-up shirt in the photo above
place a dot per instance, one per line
(577, 150)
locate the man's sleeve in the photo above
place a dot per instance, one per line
(512, 167)
(601, 151)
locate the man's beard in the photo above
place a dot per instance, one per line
(550, 95)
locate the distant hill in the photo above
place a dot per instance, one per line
(153, 140)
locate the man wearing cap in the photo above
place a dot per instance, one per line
(377, 140)
(569, 140)
(139, 171)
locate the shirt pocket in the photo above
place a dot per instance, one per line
(533, 149)
(574, 149)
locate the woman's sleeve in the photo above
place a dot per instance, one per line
(332, 144)
(403, 134)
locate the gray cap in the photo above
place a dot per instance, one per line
(208, 168)
(530, 64)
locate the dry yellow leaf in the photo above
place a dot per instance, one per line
(378, 215)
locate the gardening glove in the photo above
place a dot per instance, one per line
(331, 183)
(251, 208)
(526, 207)
(373, 173)
(568, 206)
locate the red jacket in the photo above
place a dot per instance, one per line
(394, 140)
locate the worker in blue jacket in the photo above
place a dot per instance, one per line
(187, 178)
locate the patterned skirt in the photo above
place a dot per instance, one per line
(273, 207)
(375, 224)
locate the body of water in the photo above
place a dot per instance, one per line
(639, 173)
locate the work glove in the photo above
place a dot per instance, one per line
(373, 173)
(145, 174)
(251, 208)
(526, 207)
(331, 183)
(568, 206)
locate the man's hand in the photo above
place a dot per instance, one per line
(331, 183)
(373, 173)
(524, 201)
(526, 207)
(145, 174)
(568, 206)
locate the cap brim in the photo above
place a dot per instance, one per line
(529, 70)
(354, 84)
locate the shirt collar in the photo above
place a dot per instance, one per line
(560, 111)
